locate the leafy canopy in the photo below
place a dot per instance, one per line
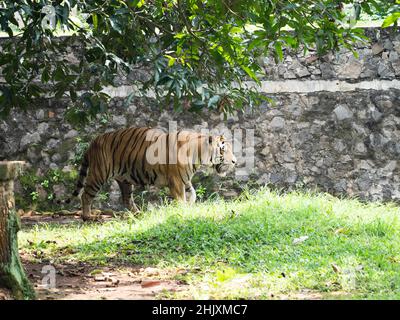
(194, 53)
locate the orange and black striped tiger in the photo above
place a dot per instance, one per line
(146, 156)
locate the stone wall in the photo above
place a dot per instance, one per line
(377, 60)
(333, 123)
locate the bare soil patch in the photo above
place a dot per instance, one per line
(84, 282)
(87, 282)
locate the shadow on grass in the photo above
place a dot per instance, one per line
(306, 243)
(250, 241)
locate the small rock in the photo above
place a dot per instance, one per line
(151, 271)
(119, 121)
(43, 128)
(52, 144)
(56, 157)
(342, 112)
(316, 72)
(29, 138)
(377, 48)
(311, 59)
(300, 240)
(388, 45)
(71, 134)
(59, 190)
(351, 70)
(384, 103)
(385, 55)
(131, 109)
(40, 114)
(385, 71)
(100, 278)
(265, 151)
(289, 75)
(335, 268)
(277, 123)
(301, 71)
(113, 282)
(376, 115)
(396, 46)
(53, 166)
(360, 148)
(396, 67)
(327, 71)
(339, 146)
(150, 283)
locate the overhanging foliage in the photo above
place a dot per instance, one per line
(197, 53)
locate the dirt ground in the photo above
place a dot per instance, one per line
(82, 282)
(87, 282)
(5, 294)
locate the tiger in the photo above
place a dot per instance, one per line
(142, 156)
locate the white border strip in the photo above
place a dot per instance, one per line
(297, 86)
(286, 86)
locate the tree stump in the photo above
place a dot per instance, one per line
(12, 274)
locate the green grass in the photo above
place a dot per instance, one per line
(246, 248)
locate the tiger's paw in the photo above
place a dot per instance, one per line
(135, 212)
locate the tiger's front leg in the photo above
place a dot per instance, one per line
(90, 191)
(86, 200)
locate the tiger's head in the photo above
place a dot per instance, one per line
(222, 158)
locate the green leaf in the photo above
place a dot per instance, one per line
(213, 101)
(115, 24)
(45, 75)
(391, 19)
(58, 74)
(95, 20)
(171, 60)
(73, 95)
(250, 73)
(278, 50)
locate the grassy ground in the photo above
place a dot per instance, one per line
(263, 245)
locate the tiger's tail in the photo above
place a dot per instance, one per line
(82, 176)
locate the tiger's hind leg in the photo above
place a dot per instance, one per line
(177, 189)
(126, 193)
(190, 194)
